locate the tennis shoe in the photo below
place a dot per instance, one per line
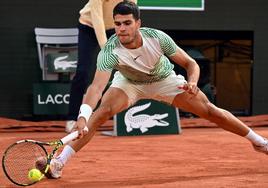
(262, 148)
(55, 169)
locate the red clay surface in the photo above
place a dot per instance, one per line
(199, 157)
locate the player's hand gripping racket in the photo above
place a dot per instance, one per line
(20, 158)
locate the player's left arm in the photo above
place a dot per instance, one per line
(180, 57)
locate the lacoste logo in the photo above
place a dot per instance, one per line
(143, 121)
(135, 58)
(62, 63)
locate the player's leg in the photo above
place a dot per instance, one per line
(118, 97)
(114, 101)
(200, 105)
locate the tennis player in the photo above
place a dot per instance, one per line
(140, 56)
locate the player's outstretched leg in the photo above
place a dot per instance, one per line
(113, 101)
(259, 143)
(200, 105)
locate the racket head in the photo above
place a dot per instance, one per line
(19, 158)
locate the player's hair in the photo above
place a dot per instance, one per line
(127, 7)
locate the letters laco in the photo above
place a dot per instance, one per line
(57, 99)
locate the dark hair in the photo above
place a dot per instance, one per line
(127, 7)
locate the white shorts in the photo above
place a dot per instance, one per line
(164, 90)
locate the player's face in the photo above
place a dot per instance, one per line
(127, 30)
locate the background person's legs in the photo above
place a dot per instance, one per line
(87, 51)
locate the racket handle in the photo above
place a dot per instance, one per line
(71, 136)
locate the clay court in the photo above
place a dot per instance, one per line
(202, 156)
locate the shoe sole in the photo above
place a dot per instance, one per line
(256, 148)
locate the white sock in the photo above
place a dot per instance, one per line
(66, 154)
(255, 138)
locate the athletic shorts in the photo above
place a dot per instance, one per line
(164, 90)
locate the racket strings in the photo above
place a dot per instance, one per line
(20, 158)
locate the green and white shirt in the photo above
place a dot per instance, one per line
(146, 64)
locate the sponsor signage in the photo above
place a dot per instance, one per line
(147, 117)
(51, 98)
(61, 62)
(198, 5)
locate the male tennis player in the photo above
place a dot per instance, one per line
(144, 71)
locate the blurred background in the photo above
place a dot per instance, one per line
(227, 38)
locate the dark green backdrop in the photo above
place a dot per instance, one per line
(19, 67)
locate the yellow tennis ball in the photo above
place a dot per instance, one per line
(34, 174)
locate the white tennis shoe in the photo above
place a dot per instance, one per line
(262, 149)
(55, 169)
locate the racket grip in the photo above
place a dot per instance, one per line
(71, 136)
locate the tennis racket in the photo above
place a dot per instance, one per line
(22, 156)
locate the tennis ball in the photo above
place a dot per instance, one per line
(34, 174)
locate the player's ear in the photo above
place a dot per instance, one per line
(138, 23)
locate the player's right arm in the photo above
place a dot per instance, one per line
(106, 62)
(91, 98)
(95, 90)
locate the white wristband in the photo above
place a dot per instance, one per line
(85, 112)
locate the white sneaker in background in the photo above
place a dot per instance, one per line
(69, 126)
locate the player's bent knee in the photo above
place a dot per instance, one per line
(105, 112)
(100, 116)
